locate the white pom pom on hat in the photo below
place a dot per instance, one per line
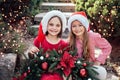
(80, 16)
(51, 14)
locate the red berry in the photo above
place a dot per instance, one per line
(29, 71)
(84, 64)
(44, 65)
(47, 55)
(25, 74)
(83, 72)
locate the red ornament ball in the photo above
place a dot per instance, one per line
(47, 55)
(84, 64)
(44, 65)
(83, 72)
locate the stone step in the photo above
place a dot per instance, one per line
(64, 34)
(58, 4)
(57, 1)
(65, 7)
(34, 26)
(39, 16)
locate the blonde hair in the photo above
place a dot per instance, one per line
(86, 47)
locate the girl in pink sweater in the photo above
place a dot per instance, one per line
(86, 41)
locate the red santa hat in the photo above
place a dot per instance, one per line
(80, 16)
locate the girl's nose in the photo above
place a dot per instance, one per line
(54, 27)
(77, 27)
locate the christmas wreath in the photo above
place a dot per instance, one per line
(53, 65)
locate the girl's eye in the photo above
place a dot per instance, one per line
(58, 25)
(51, 24)
(77, 25)
(73, 26)
(80, 25)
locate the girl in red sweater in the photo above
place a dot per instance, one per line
(50, 32)
(49, 37)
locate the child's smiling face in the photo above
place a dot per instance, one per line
(54, 26)
(77, 28)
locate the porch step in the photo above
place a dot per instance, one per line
(67, 1)
(34, 26)
(64, 7)
(58, 4)
(64, 34)
(39, 16)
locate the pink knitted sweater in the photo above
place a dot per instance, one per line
(96, 41)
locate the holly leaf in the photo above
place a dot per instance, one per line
(53, 65)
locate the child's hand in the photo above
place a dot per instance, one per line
(33, 50)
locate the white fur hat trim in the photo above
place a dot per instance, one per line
(80, 18)
(50, 14)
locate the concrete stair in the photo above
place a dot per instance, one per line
(39, 16)
(66, 1)
(63, 5)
